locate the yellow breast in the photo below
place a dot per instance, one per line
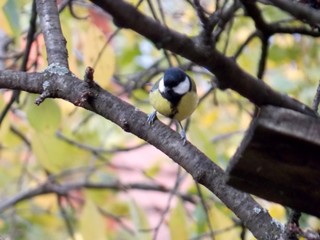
(184, 109)
(186, 106)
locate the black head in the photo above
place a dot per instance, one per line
(173, 76)
(174, 84)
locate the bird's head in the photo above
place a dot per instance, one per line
(175, 81)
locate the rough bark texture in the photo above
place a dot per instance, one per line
(161, 136)
(58, 82)
(230, 75)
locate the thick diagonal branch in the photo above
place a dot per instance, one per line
(162, 137)
(229, 74)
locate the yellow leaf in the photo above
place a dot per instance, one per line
(178, 223)
(77, 236)
(93, 42)
(54, 154)
(91, 222)
(5, 125)
(47, 201)
(221, 220)
(209, 117)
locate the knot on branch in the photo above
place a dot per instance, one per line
(45, 94)
(90, 85)
(124, 124)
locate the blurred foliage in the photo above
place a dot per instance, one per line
(68, 145)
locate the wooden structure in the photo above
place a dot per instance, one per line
(279, 159)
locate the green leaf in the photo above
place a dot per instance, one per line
(10, 9)
(201, 219)
(43, 118)
(54, 154)
(154, 169)
(140, 222)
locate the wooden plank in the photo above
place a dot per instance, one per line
(279, 159)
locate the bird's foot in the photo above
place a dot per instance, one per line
(152, 117)
(183, 136)
(182, 132)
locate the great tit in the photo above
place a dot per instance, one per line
(174, 96)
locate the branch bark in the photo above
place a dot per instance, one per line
(64, 189)
(130, 119)
(61, 84)
(299, 11)
(51, 29)
(229, 74)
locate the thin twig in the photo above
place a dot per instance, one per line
(105, 46)
(244, 44)
(216, 232)
(65, 217)
(116, 219)
(263, 57)
(30, 38)
(21, 135)
(166, 210)
(225, 136)
(111, 37)
(153, 12)
(96, 150)
(163, 18)
(72, 12)
(207, 30)
(243, 232)
(201, 14)
(205, 209)
(63, 189)
(228, 37)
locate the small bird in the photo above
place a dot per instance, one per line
(174, 96)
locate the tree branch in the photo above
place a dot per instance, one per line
(299, 11)
(24, 65)
(128, 117)
(64, 189)
(254, 12)
(51, 29)
(229, 74)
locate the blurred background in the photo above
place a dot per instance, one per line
(113, 184)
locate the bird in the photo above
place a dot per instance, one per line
(174, 96)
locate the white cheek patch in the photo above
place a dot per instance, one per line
(182, 87)
(161, 86)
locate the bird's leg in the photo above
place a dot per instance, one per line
(152, 117)
(182, 133)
